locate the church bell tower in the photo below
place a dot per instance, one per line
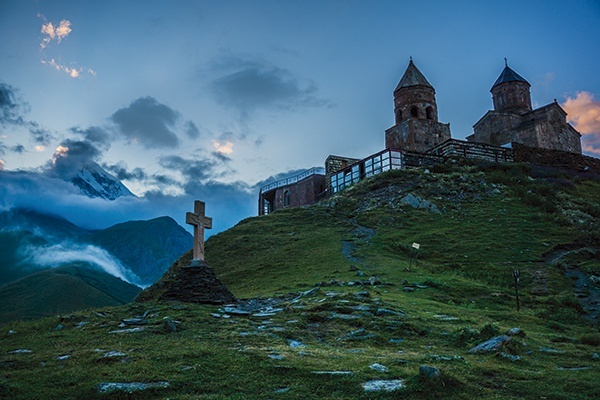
(416, 117)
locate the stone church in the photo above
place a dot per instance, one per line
(513, 120)
(512, 131)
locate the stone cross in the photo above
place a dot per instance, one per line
(200, 222)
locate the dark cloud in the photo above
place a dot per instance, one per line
(221, 157)
(249, 86)
(148, 122)
(190, 169)
(191, 129)
(38, 134)
(121, 172)
(12, 113)
(12, 107)
(94, 134)
(71, 156)
(19, 148)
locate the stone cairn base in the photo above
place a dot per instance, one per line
(198, 284)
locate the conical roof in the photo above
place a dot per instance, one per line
(412, 77)
(508, 75)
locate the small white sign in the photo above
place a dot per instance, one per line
(416, 246)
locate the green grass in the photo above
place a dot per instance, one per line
(488, 228)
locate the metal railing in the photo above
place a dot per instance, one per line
(293, 179)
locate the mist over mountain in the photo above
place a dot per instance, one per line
(137, 252)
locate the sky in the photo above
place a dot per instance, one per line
(208, 100)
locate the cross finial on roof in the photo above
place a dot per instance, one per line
(505, 62)
(410, 58)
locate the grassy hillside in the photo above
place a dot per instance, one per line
(62, 290)
(376, 300)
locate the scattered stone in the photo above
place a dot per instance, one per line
(493, 345)
(20, 351)
(234, 311)
(333, 372)
(282, 390)
(169, 325)
(419, 203)
(295, 344)
(379, 367)
(551, 351)
(398, 340)
(408, 289)
(443, 317)
(362, 295)
(58, 327)
(596, 356)
(383, 385)
(573, 368)
(130, 330)
(429, 373)
(113, 354)
(129, 387)
(11, 332)
(385, 311)
(264, 315)
(63, 357)
(510, 357)
(81, 324)
(515, 332)
(594, 279)
(215, 315)
(135, 321)
(276, 356)
(359, 334)
(334, 315)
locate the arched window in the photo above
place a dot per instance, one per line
(286, 198)
(414, 112)
(398, 116)
(429, 112)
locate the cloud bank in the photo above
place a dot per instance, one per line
(584, 113)
(248, 86)
(149, 123)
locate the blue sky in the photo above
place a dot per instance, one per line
(189, 100)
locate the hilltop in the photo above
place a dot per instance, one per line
(334, 297)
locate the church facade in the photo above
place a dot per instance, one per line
(513, 120)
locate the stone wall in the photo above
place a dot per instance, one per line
(495, 128)
(302, 193)
(416, 135)
(555, 158)
(547, 128)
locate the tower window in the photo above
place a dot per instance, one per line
(286, 198)
(414, 112)
(429, 112)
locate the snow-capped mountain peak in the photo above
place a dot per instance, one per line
(93, 181)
